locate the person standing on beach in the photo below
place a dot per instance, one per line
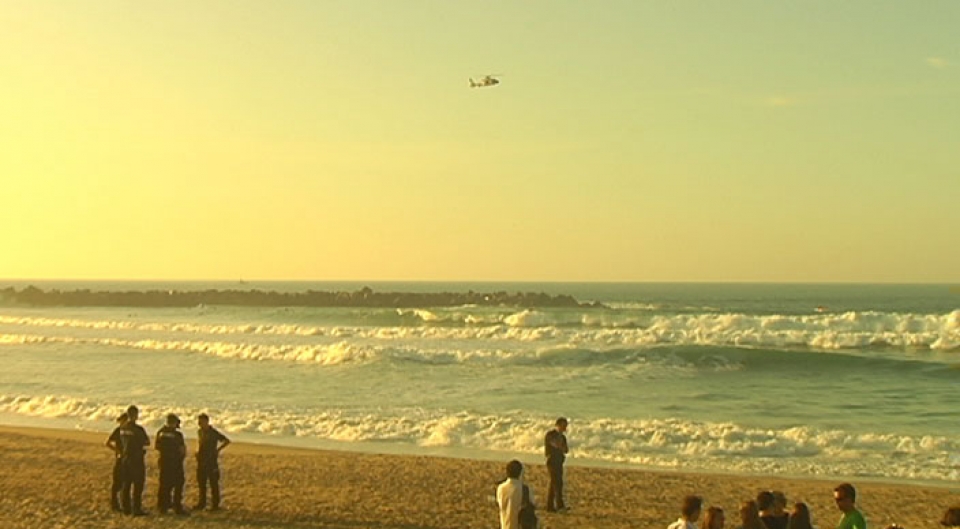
(173, 450)
(750, 516)
(846, 496)
(800, 517)
(555, 448)
(714, 518)
(510, 496)
(113, 443)
(780, 506)
(209, 444)
(770, 515)
(134, 442)
(690, 513)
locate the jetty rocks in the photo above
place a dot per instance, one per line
(364, 297)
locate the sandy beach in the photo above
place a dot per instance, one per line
(60, 479)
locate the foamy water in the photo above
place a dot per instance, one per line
(678, 376)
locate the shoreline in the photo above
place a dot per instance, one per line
(389, 449)
(60, 478)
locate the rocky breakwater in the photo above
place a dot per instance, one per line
(365, 297)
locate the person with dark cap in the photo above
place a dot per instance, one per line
(209, 444)
(555, 448)
(173, 450)
(134, 442)
(113, 443)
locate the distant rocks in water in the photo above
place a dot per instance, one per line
(365, 297)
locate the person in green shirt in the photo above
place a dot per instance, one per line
(846, 496)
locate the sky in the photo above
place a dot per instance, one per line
(628, 140)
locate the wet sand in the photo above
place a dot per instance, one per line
(61, 479)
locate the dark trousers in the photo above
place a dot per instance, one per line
(134, 476)
(170, 489)
(117, 485)
(555, 491)
(208, 472)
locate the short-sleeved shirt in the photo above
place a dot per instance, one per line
(554, 454)
(209, 439)
(133, 442)
(170, 444)
(852, 520)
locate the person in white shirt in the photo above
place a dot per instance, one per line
(689, 513)
(510, 496)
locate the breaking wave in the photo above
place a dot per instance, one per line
(522, 336)
(661, 443)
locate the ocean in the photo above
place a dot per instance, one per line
(833, 381)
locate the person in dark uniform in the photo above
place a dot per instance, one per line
(555, 448)
(173, 450)
(209, 444)
(113, 443)
(134, 442)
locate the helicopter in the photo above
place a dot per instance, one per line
(486, 80)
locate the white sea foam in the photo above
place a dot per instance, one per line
(831, 331)
(521, 335)
(666, 443)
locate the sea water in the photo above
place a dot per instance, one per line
(857, 381)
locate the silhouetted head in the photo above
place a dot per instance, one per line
(779, 501)
(764, 500)
(203, 420)
(845, 496)
(800, 517)
(133, 413)
(514, 469)
(713, 519)
(691, 508)
(173, 420)
(561, 424)
(750, 514)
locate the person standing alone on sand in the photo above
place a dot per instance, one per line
(172, 450)
(113, 443)
(555, 448)
(133, 448)
(209, 444)
(846, 496)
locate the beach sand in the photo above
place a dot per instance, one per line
(60, 479)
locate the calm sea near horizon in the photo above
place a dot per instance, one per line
(815, 380)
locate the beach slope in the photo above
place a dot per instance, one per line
(60, 479)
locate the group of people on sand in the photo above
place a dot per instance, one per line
(129, 442)
(767, 511)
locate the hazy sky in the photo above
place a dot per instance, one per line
(629, 140)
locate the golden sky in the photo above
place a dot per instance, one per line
(337, 140)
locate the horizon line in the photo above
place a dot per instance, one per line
(482, 281)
